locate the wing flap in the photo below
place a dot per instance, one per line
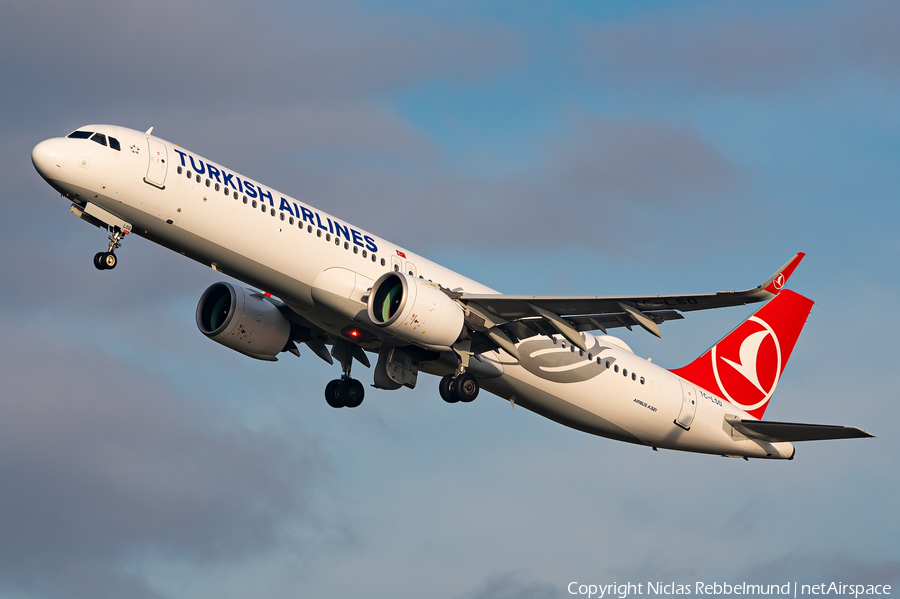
(775, 432)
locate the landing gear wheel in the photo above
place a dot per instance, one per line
(98, 261)
(465, 387)
(352, 392)
(331, 394)
(444, 389)
(109, 261)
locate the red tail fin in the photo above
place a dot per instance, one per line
(745, 366)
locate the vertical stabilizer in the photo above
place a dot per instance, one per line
(745, 366)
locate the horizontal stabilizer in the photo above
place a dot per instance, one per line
(791, 431)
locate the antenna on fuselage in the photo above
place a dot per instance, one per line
(149, 131)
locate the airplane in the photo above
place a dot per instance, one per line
(320, 281)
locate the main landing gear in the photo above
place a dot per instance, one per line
(107, 260)
(345, 392)
(459, 387)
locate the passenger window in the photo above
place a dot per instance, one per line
(607, 363)
(356, 250)
(80, 134)
(282, 217)
(327, 236)
(615, 368)
(382, 260)
(624, 372)
(318, 232)
(563, 345)
(373, 257)
(291, 220)
(235, 195)
(364, 253)
(207, 182)
(245, 199)
(580, 352)
(217, 187)
(99, 138)
(198, 178)
(346, 246)
(254, 203)
(179, 170)
(309, 228)
(642, 380)
(273, 212)
(189, 175)
(227, 192)
(114, 144)
(633, 376)
(262, 206)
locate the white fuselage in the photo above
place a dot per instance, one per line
(322, 267)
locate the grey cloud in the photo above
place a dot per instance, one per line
(734, 48)
(179, 56)
(816, 569)
(513, 586)
(619, 177)
(99, 463)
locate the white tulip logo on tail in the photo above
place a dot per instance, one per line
(746, 379)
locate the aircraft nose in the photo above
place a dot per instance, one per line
(48, 157)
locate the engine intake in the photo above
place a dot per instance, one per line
(243, 321)
(415, 310)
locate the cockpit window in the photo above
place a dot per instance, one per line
(99, 138)
(80, 134)
(114, 144)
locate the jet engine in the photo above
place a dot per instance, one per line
(415, 310)
(243, 320)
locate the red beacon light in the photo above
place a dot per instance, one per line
(357, 334)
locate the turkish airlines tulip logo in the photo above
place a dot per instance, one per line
(747, 364)
(778, 283)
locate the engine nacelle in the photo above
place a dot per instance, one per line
(415, 310)
(243, 321)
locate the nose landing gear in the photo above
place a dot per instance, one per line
(107, 260)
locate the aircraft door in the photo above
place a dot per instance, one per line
(395, 263)
(688, 405)
(158, 167)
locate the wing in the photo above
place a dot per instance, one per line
(501, 319)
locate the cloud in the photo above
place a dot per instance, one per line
(176, 56)
(511, 586)
(100, 464)
(743, 48)
(818, 569)
(619, 177)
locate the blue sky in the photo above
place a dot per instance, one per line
(546, 148)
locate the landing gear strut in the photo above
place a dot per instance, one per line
(107, 260)
(345, 392)
(460, 386)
